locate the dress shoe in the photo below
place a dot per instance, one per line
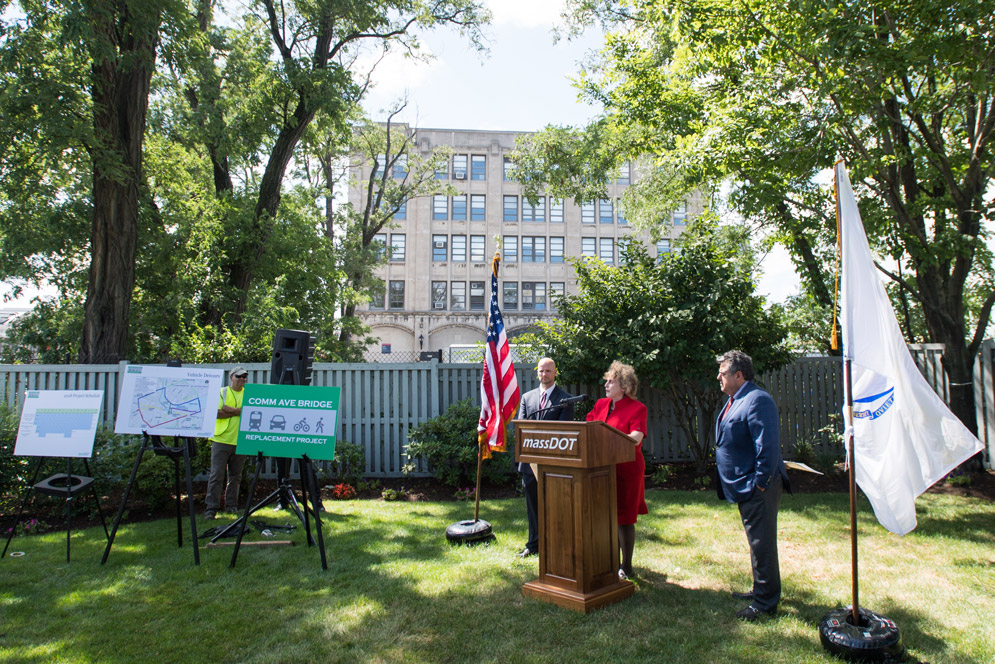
(747, 595)
(753, 614)
(526, 552)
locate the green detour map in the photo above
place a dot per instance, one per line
(169, 401)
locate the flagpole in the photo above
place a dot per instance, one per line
(495, 267)
(851, 459)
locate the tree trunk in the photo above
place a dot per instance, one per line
(123, 59)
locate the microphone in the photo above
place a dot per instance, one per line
(576, 399)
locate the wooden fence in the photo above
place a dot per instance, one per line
(382, 402)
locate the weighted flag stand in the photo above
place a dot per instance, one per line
(855, 633)
(495, 386)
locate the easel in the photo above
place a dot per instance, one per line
(182, 449)
(59, 485)
(284, 492)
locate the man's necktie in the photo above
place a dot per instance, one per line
(542, 401)
(725, 410)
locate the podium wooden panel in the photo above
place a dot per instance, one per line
(578, 522)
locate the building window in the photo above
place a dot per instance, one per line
(459, 166)
(623, 248)
(457, 300)
(621, 217)
(440, 248)
(606, 250)
(605, 212)
(624, 173)
(533, 296)
(478, 207)
(662, 249)
(396, 300)
(511, 208)
(379, 245)
(478, 167)
(509, 170)
(438, 294)
(476, 295)
(397, 247)
(556, 210)
(681, 214)
(377, 300)
(588, 247)
(477, 248)
(533, 249)
(510, 295)
(440, 208)
(402, 211)
(459, 208)
(379, 162)
(442, 170)
(400, 169)
(556, 250)
(510, 248)
(535, 212)
(556, 289)
(459, 248)
(587, 213)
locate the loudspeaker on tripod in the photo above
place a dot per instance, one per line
(293, 355)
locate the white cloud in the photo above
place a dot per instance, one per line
(525, 13)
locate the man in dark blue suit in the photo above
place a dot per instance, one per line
(751, 474)
(547, 395)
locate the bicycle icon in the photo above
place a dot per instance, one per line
(302, 426)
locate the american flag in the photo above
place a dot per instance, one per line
(499, 395)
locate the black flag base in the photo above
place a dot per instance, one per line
(470, 532)
(875, 639)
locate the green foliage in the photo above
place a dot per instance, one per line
(113, 460)
(349, 463)
(448, 442)
(669, 319)
(767, 97)
(394, 494)
(662, 473)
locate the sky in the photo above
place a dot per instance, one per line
(523, 83)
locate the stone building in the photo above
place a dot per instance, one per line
(438, 277)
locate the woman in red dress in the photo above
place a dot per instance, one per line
(621, 410)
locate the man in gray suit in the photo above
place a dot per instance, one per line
(541, 403)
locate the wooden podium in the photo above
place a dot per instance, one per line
(578, 522)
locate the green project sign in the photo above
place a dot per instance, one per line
(289, 421)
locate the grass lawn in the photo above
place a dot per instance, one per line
(395, 591)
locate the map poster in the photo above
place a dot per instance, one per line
(59, 423)
(169, 401)
(289, 421)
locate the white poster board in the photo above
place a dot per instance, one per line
(169, 401)
(58, 423)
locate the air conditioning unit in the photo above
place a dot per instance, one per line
(460, 175)
(440, 244)
(440, 305)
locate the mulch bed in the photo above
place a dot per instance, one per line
(49, 513)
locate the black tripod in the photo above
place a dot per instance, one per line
(285, 494)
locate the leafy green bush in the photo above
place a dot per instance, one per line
(662, 473)
(349, 463)
(14, 471)
(448, 443)
(113, 460)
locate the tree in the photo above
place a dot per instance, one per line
(669, 319)
(768, 95)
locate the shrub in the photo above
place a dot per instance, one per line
(394, 494)
(349, 463)
(113, 460)
(343, 491)
(662, 474)
(448, 443)
(469, 493)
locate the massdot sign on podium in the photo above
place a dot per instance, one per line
(289, 421)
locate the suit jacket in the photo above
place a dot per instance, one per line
(748, 445)
(530, 405)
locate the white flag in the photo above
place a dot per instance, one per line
(905, 437)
